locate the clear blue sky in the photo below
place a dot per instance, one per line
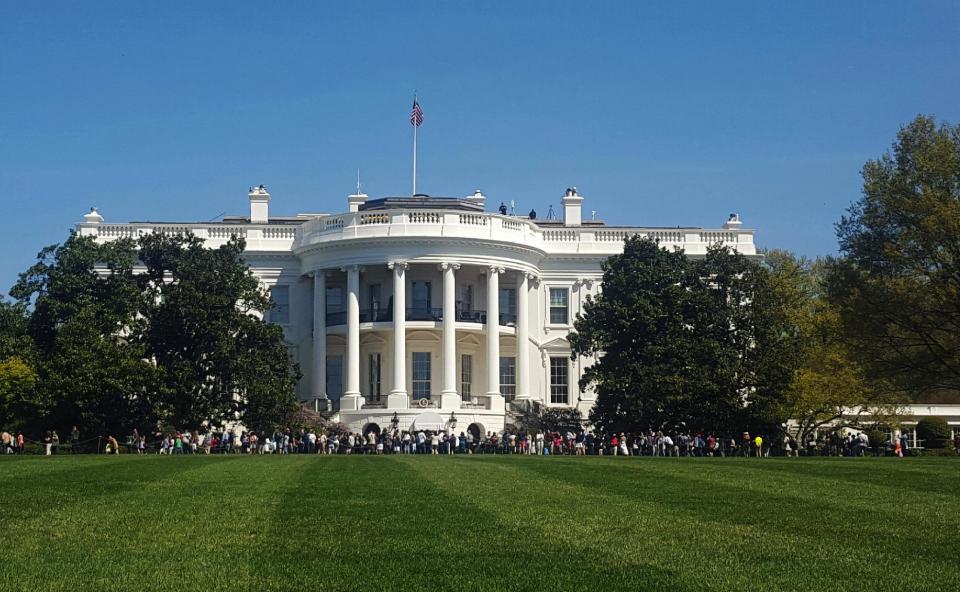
(661, 115)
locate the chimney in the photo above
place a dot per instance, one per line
(733, 222)
(354, 201)
(92, 217)
(572, 207)
(259, 205)
(478, 198)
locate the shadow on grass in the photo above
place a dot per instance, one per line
(379, 523)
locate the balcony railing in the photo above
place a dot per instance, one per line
(336, 318)
(376, 315)
(385, 315)
(418, 313)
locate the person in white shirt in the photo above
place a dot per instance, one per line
(434, 443)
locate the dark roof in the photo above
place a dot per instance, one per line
(421, 202)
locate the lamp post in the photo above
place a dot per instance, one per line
(395, 421)
(453, 420)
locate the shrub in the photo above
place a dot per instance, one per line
(933, 431)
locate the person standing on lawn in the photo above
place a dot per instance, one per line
(758, 444)
(74, 440)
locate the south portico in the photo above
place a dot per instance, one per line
(383, 301)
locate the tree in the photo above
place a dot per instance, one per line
(540, 418)
(85, 303)
(685, 343)
(897, 288)
(933, 432)
(829, 388)
(217, 359)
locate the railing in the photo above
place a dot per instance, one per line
(425, 217)
(474, 219)
(375, 218)
(424, 314)
(472, 316)
(374, 315)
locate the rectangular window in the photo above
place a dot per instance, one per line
(508, 306)
(334, 376)
(280, 313)
(559, 377)
(421, 375)
(466, 376)
(420, 302)
(373, 377)
(335, 299)
(559, 306)
(373, 299)
(508, 377)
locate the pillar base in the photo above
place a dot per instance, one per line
(449, 400)
(398, 401)
(351, 402)
(496, 402)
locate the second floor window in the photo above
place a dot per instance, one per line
(559, 306)
(421, 296)
(280, 313)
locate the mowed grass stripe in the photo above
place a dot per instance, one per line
(739, 515)
(146, 523)
(477, 523)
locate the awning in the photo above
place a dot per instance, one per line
(428, 420)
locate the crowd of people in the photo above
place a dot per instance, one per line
(395, 441)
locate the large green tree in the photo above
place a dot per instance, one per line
(897, 286)
(685, 343)
(217, 359)
(85, 305)
(109, 347)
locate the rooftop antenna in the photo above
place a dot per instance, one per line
(215, 217)
(513, 207)
(358, 180)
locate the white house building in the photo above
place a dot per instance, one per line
(429, 312)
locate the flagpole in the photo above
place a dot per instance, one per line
(415, 159)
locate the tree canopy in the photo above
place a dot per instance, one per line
(177, 340)
(897, 287)
(684, 343)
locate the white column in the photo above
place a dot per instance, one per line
(398, 399)
(448, 396)
(319, 378)
(352, 399)
(493, 339)
(523, 337)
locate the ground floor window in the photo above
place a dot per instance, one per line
(508, 377)
(334, 376)
(559, 380)
(421, 375)
(373, 377)
(466, 376)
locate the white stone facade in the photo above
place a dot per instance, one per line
(463, 286)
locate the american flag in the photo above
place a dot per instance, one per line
(416, 116)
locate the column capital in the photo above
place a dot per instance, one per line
(449, 265)
(354, 267)
(532, 277)
(495, 269)
(398, 265)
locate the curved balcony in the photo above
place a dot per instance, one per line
(419, 314)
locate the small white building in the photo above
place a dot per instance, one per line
(429, 311)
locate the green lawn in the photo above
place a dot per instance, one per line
(299, 523)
